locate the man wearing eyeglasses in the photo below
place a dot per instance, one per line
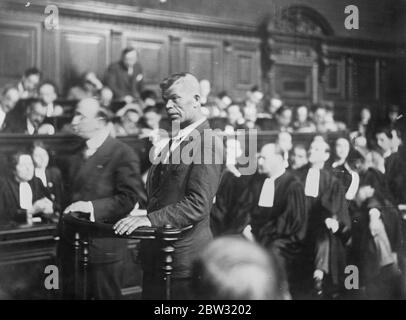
(103, 180)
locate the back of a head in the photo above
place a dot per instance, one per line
(231, 268)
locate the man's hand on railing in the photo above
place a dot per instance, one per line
(128, 224)
(81, 206)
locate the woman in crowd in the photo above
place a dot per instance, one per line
(22, 195)
(49, 175)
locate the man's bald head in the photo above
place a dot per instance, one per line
(270, 160)
(89, 106)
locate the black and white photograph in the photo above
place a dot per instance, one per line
(207, 151)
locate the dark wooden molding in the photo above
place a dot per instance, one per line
(192, 22)
(134, 14)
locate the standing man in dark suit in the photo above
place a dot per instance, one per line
(103, 180)
(180, 190)
(124, 77)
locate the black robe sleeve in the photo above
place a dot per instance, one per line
(283, 226)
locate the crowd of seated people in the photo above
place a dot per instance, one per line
(358, 181)
(354, 202)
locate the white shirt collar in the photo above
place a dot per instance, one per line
(95, 142)
(183, 133)
(40, 173)
(30, 127)
(50, 110)
(2, 116)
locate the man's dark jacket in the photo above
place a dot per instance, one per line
(181, 193)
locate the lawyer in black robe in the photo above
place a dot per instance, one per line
(325, 249)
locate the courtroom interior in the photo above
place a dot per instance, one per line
(309, 93)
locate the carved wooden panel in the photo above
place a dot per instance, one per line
(153, 55)
(82, 50)
(18, 50)
(294, 82)
(244, 71)
(202, 57)
(364, 78)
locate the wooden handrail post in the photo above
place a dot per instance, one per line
(76, 245)
(85, 267)
(167, 268)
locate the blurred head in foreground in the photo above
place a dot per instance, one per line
(232, 268)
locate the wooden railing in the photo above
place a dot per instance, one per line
(86, 230)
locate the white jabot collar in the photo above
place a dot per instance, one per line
(267, 196)
(312, 183)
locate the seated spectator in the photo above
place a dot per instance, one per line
(254, 97)
(149, 98)
(89, 87)
(271, 107)
(377, 239)
(282, 121)
(27, 87)
(223, 101)
(235, 118)
(231, 268)
(342, 169)
(129, 117)
(106, 97)
(22, 196)
(284, 142)
(393, 115)
(50, 176)
(396, 140)
(375, 160)
(330, 123)
(364, 121)
(342, 150)
(250, 116)
(370, 167)
(32, 121)
(150, 123)
(384, 138)
(302, 123)
(205, 89)
(8, 100)
(298, 158)
(124, 77)
(359, 141)
(320, 118)
(48, 93)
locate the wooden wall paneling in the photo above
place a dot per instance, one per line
(244, 70)
(175, 65)
(50, 57)
(20, 44)
(203, 57)
(153, 49)
(83, 49)
(117, 44)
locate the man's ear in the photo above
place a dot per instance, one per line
(196, 98)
